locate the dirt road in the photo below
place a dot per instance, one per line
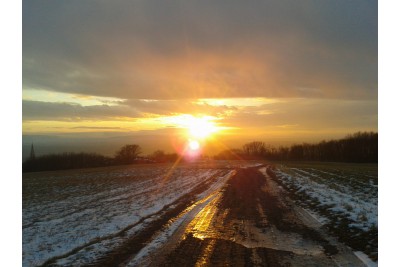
(247, 222)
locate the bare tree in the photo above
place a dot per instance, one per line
(128, 154)
(255, 149)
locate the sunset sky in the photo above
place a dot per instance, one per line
(139, 71)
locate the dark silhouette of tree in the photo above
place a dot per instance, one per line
(282, 153)
(161, 157)
(358, 147)
(127, 154)
(65, 161)
(296, 152)
(158, 156)
(254, 149)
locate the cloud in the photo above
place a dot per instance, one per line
(134, 109)
(171, 107)
(308, 115)
(201, 49)
(96, 128)
(39, 110)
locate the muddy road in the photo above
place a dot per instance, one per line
(246, 222)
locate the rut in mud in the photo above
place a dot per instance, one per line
(248, 190)
(251, 226)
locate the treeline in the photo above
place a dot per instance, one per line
(361, 147)
(64, 161)
(128, 154)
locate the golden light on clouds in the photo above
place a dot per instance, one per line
(59, 97)
(198, 127)
(166, 72)
(239, 101)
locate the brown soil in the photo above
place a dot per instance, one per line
(251, 225)
(249, 222)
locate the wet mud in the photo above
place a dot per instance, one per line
(250, 226)
(248, 222)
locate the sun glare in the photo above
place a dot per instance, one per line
(200, 127)
(195, 127)
(194, 145)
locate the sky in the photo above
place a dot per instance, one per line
(97, 74)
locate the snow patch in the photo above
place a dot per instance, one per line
(60, 216)
(364, 258)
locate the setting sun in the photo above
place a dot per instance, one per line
(194, 145)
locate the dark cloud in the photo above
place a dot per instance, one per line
(39, 110)
(191, 49)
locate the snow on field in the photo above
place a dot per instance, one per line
(343, 197)
(353, 199)
(75, 217)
